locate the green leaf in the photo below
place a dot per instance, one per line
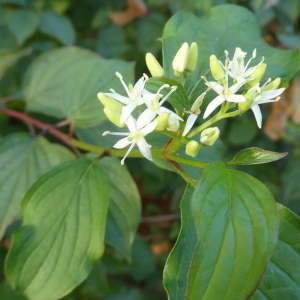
(62, 234)
(23, 159)
(57, 26)
(8, 59)
(124, 211)
(178, 98)
(224, 28)
(65, 82)
(236, 222)
(177, 265)
(254, 156)
(282, 278)
(23, 23)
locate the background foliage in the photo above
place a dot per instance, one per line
(126, 30)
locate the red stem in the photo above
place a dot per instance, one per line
(43, 126)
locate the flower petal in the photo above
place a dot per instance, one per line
(131, 124)
(145, 118)
(268, 95)
(189, 123)
(126, 112)
(213, 105)
(122, 143)
(149, 128)
(163, 110)
(236, 98)
(257, 114)
(145, 150)
(120, 98)
(139, 84)
(218, 88)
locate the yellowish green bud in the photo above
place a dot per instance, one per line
(216, 68)
(244, 106)
(180, 59)
(113, 116)
(154, 66)
(257, 75)
(162, 121)
(272, 85)
(192, 148)
(173, 124)
(110, 102)
(209, 136)
(192, 58)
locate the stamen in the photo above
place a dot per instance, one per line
(269, 80)
(145, 76)
(148, 146)
(119, 75)
(208, 89)
(230, 65)
(162, 87)
(254, 53)
(115, 133)
(105, 133)
(173, 88)
(126, 154)
(278, 98)
(257, 98)
(113, 91)
(204, 78)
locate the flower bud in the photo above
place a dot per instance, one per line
(154, 66)
(162, 121)
(113, 116)
(244, 106)
(192, 148)
(192, 57)
(173, 124)
(180, 59)
(272, 85)
(257, 75)
(110, 102)
(216, 68)
(209, 136)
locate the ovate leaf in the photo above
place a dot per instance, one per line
(236, 223)
(178, 98)
(57, 26)
(62, 234)
(282, 278)
(65, 82)
(23, 159)
(254, 156)
(178, 263)
(23, 23)
(124, 211)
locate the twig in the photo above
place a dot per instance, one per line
(160, 219)
(29, 125)
(62, 123)
(7, 99)
(71, 131)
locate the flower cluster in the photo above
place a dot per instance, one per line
(235, 83)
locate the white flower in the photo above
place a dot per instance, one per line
(135, 96)
(194, 113)
(154, 107)
(264, 97)
(225, 93)
(238, 69)
(134, 137)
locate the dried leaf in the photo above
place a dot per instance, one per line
(287, 107)
(135, 8)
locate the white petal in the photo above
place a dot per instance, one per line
(257, 114)
(218, 88)
(146, 93)
(131, 124)
(189, 123)
(236, 98)
(270, 95)
(163, 110)
(122, 99)
(139, 84)
(142, 144)
(126, 154)
(126, 112)
(149, 128)
(213, 105)
(145, 118)
(122, 143)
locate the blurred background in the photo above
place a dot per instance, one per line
(127, 30)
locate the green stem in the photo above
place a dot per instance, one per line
(189, 162)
